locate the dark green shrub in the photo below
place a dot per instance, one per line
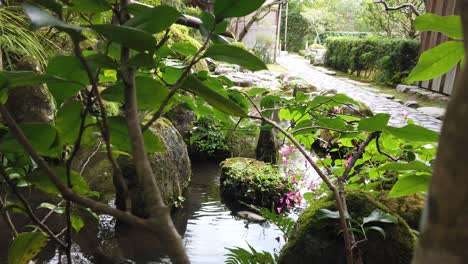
(207, 141)
(254, 182)
(386, 61)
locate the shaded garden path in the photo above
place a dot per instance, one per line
(376, 102)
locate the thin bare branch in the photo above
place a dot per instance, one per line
(412, 7)
(28, 208)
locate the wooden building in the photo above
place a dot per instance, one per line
(445, 83)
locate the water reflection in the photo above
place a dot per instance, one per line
(212, 227)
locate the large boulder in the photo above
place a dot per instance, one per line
(253, 182)
(171, 168)
(183, 119)
(30, 103)
(319, 240)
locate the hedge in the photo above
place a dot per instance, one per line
(387, 61)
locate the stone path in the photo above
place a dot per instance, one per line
(377, 102)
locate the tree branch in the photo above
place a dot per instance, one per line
(177, 85)
(29, 210)
(330, 185)
(158, 211)
(412, 7)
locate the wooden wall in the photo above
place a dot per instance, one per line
(443, 84)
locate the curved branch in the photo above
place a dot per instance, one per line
(412, 7)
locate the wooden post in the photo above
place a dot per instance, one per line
(286, 27)
(278, 32)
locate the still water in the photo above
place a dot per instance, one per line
(207, 224)
(211, 226)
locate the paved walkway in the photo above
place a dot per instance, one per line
(376, 102)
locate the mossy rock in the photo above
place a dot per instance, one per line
(409, 207)
(242, 144)
(172, 168)
(254, 182)
(318, 241)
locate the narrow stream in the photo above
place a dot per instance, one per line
(208, 226)
(211, 225)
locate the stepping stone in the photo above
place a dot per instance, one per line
(436, 112)
(405, 88)
(325, 70)
(412, 104)
(388, 96)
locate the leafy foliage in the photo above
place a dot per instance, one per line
(444, 57)
(17, 41)
(25, 247)
(239, 255)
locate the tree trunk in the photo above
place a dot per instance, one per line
(444, 226)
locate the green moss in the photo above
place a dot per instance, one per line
(409, 207)
(253, 182)
(181, 34)
(317, 241)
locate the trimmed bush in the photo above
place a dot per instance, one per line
(387, 61)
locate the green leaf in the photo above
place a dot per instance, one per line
(331, 123)
(414, 133)
(25, 247)
(150, 93)
(119, 137)
(51, 5)
(437, 61)
(41, 181)
(410, 184)
(218, 101)
(410, 166)
(103, 61)
(68, 123)
(71, 71)
(128, 37)
(21, 78)
(448, 25)
(77, 222)
(378, 229)
(154, 20)
(53, 207)
(90, 6)
(142, 60)
(375, 123)
(235, 55)
(171, 75)
(40, 18)
(235, 8)
(184, 48)
(41, 136)
(325, 213)
(257, 91)
(380, 216)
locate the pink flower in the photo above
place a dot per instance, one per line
(337, 110)
(284, 159)
(328, 156)
(281, 200)
(285, 150)
(348, 160)
(279, 209)
(325, 145)
(405, 115)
